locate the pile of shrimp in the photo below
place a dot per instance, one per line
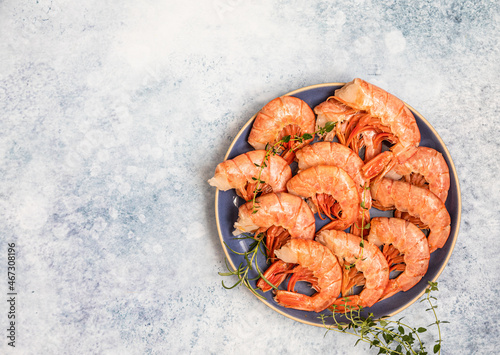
(337, 180)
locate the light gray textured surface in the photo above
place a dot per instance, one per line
(115, 113)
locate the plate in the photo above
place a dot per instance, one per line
(227, 203)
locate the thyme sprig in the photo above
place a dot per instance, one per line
(388, 336)
(275, 149)
(249, 264)
(362, 228)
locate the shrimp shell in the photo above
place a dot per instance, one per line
(391, 111)
(276, 115)
(332, 110)
(418, 202)
(336, 154)
(367, 259)
(329, 180)
(410, 241)
(277, 209)
(236, 173)
(431, 165)
(322, 263)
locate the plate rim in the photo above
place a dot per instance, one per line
(451, 167)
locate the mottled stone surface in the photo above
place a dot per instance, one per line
(115, 113)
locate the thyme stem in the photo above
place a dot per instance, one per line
(242, 271)
(388, 336)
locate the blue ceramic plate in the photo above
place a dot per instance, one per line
(227, 203)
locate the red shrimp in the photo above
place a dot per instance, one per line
(336, 154)
(387, 115)
(418, 202)
(426, 166)
(346, 119)
(405, 246)
(367, 259)
(323, 268)
(280, 216)
(331, 191)
(241, 172)
(283, 116)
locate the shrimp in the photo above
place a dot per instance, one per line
(241, 172)
(418, 202)
(346, 119)
(336, 154)
(283, 116)
(331, 191)
(387, 114)
(323, 268)
(367, 259)
(280, 216)
(335, 111)
(427, 165)
(406, 239)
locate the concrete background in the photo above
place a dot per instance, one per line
(115, 113)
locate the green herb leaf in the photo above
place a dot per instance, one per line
(380, 334)
(329, 126)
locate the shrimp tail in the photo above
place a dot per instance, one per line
(377, 165)
(299, 301)
(275, 274)
(347, 303)
(289, 156)
(337, 224)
